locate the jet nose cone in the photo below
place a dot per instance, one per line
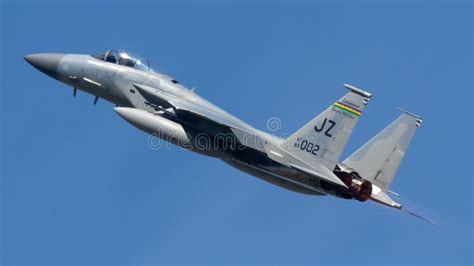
(46, 62)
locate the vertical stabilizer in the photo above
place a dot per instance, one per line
(322, 140)
(378, 160)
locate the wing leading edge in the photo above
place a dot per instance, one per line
(158, 97)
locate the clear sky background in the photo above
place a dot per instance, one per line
(79, 185)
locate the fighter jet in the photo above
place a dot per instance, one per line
(306, 162)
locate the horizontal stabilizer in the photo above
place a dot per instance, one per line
(382, 197)
(328, 176)
(317, 170)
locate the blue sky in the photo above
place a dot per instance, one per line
(81, 186)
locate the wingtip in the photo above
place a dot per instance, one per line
(358, 91)
(409, 113)
(418, 118)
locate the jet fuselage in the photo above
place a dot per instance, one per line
(116, 83)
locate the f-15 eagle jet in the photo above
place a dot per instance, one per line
(305, 162)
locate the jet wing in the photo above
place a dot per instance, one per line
(246, 137)
(154, 95)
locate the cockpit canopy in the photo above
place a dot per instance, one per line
(125, 59)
